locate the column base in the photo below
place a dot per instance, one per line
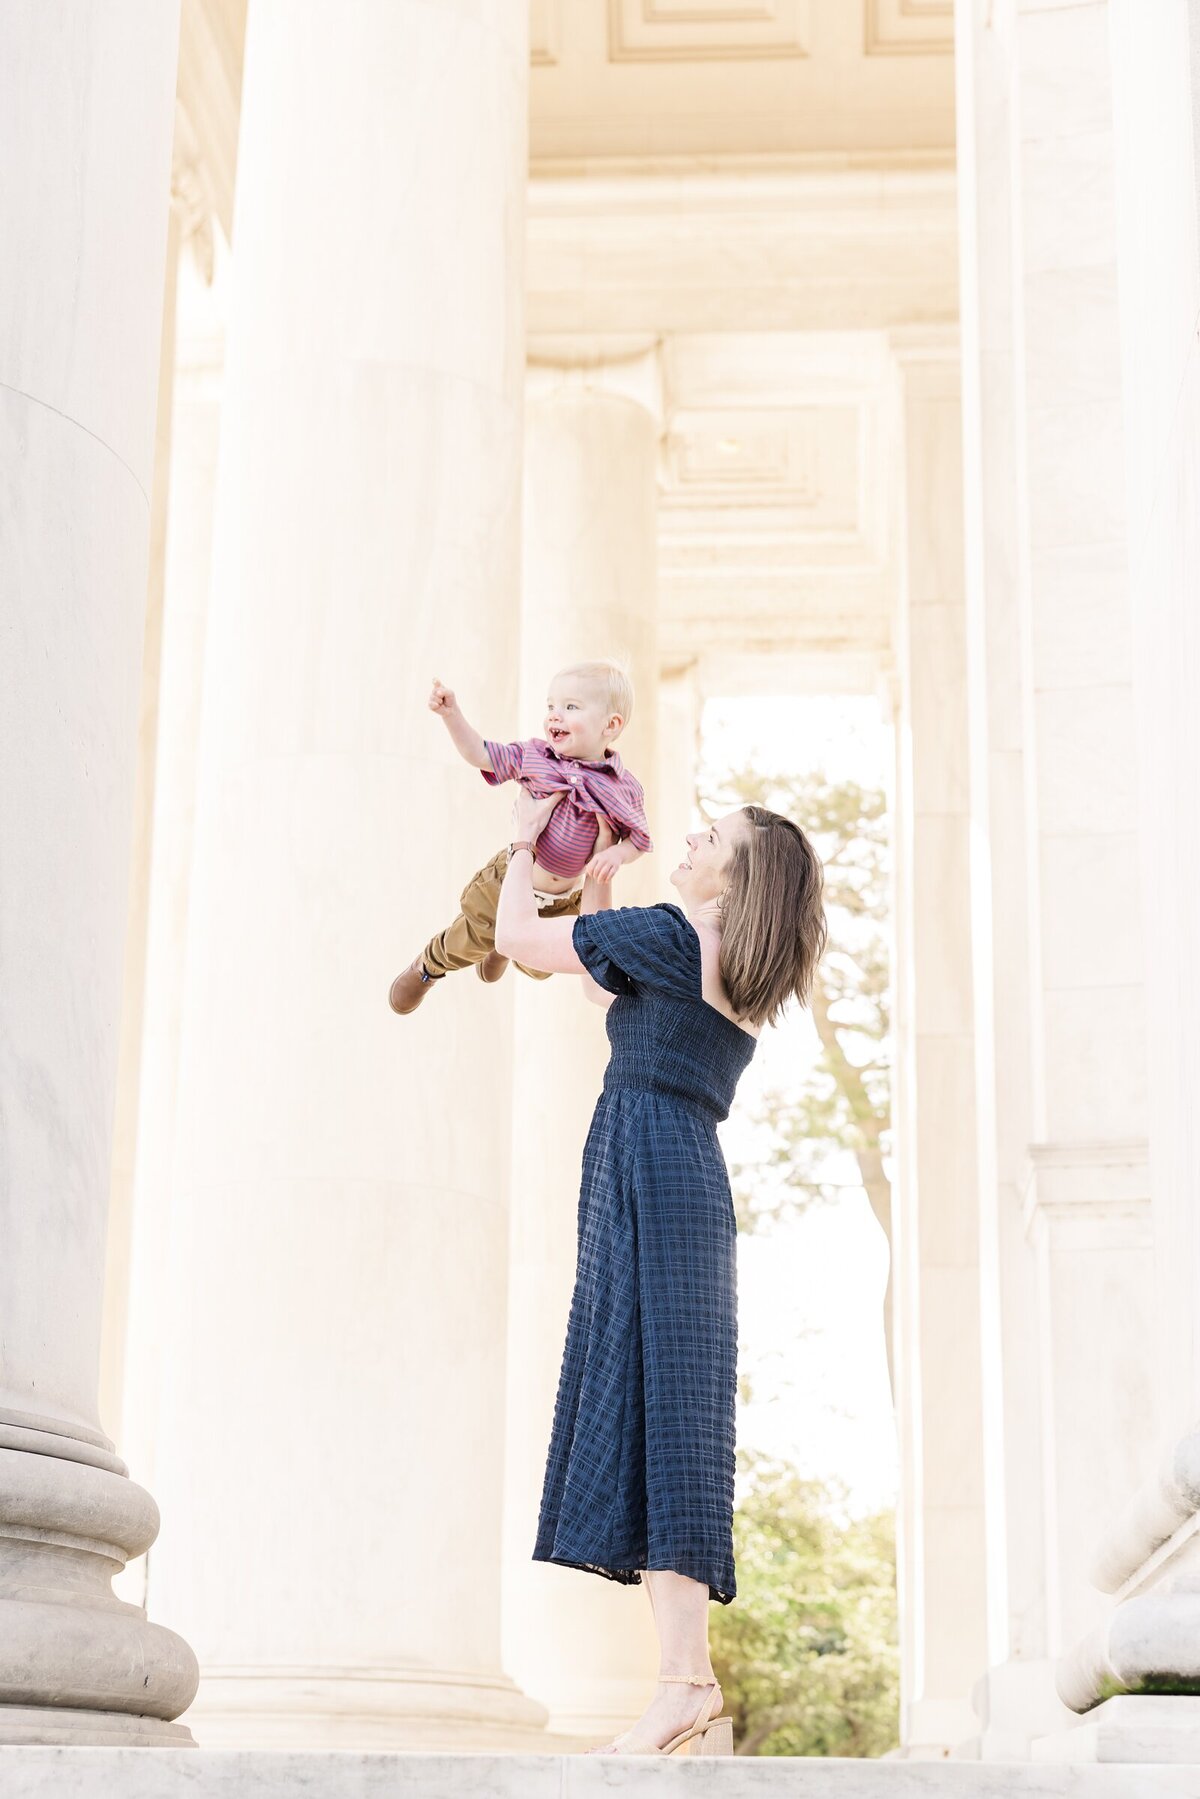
(50, 1725)
(365, 1708)
(1016, 1703)
(69, 1649)
(1133, 1727)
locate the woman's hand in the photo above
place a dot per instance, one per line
(531, 815)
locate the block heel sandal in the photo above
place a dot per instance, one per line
(708, 1735)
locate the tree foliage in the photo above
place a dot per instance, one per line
(843, 1107)
(807, 1653)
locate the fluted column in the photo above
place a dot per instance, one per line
(938, 1369)
(86, 110)
(135, 1328)
(582, 1645)
(1015, 1695)
(332, 1416)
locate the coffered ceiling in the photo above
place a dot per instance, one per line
(648, 78)
(763, 190)
(758, 194)
(777, 494)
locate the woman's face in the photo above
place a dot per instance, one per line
(701, 874)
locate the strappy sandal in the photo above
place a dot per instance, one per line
(706, 1736)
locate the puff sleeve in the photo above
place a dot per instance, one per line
(640, 949)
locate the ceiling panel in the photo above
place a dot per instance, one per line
(691, 30)
(656, 78)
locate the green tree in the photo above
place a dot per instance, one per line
(844, 1106)
(807, 1653)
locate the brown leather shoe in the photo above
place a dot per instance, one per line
(492, 966)
(409, 989)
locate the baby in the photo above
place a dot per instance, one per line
(586, 710)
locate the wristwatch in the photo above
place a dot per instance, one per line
(523, 845)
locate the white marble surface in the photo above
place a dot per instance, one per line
(85, 136)
(229, 1774)
(1076, 472)
(1087, 766)
(1065, 84)
(1131, 1728)
(1080, 943)
(1086, 635)
(1090, 1230)
(1068, 217)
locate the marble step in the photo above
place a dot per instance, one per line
(62, 1773)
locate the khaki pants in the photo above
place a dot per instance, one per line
(473, 932)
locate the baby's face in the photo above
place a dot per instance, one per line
(577, 723)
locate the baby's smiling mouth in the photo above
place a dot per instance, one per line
(558, 732)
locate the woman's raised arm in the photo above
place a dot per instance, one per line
(520, 934)
(597, 897)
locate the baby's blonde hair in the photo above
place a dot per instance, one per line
(614, 683)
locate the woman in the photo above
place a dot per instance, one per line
(640, 1472)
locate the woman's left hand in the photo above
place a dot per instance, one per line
(532, 815)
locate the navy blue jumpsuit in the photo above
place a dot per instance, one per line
(640, 1470)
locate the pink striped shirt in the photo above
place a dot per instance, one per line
(606, 787)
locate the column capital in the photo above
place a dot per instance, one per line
(636, 377)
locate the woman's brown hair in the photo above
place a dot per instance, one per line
(773, 926)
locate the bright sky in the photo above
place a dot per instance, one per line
(810, 1291)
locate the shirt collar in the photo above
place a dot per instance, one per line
(610, 763)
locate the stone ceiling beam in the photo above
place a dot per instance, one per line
(811, 245)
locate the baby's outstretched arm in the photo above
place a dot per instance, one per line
(467, 741)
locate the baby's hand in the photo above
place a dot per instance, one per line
(441, 699)
(604, 865)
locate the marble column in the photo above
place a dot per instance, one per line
(936, 1274)
(584, 1646)
(331, 1415)
(1156, 117)
(1015, 1695)
(1064, 1174)
(136, 1312)
(1143, 1649)
(86, 109)
(155, 810)
(1087, 1192)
